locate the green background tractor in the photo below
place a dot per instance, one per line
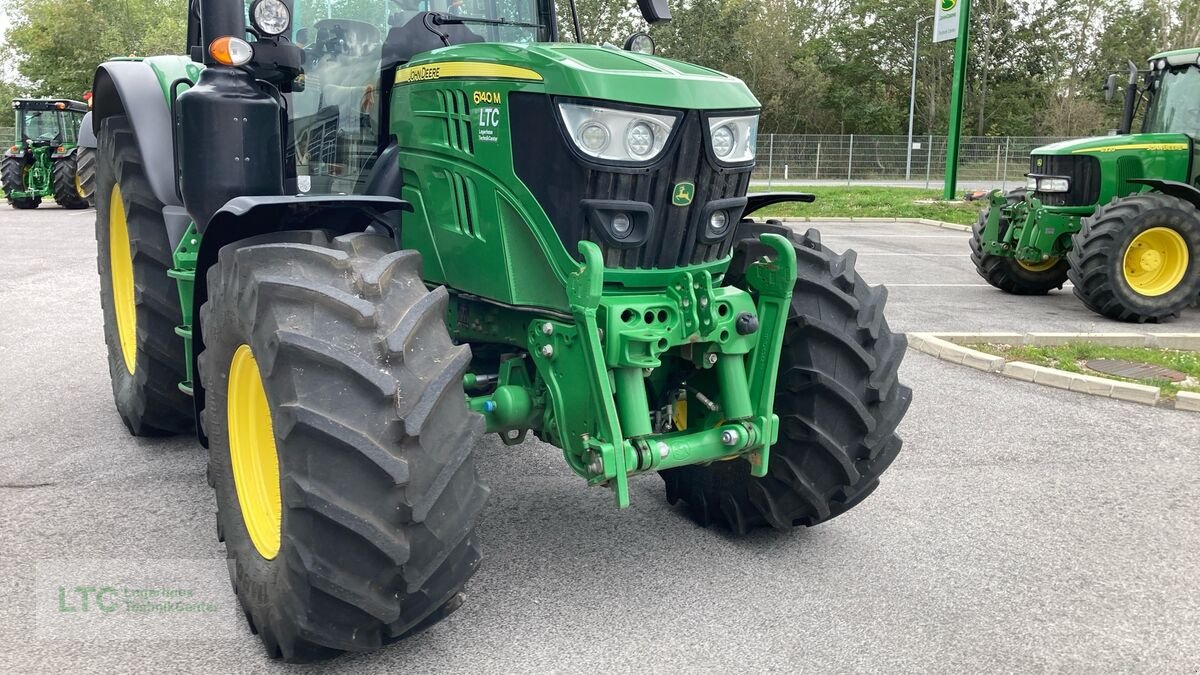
(1119, 215)
(44, 159)
(342, 248)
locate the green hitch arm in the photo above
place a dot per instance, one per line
(584, 289)
(773, 280)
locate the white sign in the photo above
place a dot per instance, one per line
(945, 22)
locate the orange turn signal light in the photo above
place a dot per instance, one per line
(230, 51)
(60, 106)
(61, 149)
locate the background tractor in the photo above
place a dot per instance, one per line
(341, 248)
(44, 161)
(1118, 215)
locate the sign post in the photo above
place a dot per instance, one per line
(952, 21)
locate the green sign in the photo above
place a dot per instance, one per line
(683, 194)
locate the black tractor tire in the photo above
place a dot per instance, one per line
(838, 400)
(148, 399)
(68, 192)
(375, 444)
(1007, 274)
(1098, 251)
(86, 170)
(12, 177)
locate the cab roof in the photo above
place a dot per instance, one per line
(48, 104)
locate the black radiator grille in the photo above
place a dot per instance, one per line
(1084, 172)
(555, 174)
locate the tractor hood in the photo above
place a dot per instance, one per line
(605, 73)
(1104, 145)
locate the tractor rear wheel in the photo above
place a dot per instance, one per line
(1138, 258)
(341, 446)
(140, 302)
(838, 401)
(12, 177)
(86, 173)
(68, 191)
(1015, 276)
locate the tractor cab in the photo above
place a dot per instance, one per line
(47, 122)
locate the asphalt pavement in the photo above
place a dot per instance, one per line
(1021, 529)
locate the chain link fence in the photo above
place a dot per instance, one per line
(984, 161)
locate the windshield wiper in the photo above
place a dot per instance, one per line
(443, 18)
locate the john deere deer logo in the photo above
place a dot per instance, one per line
(683, 194)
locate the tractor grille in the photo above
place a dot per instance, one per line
(1084, 172)
(562, 181)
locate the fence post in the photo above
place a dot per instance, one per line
(850, 160)
(770, 160)
(929, 162)
(817, 170)
(997, 162)
(1004, 178)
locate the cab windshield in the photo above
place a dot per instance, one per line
(1176, 103)
(336, 115)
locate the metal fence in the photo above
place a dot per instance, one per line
(7, 134)
(984, 161)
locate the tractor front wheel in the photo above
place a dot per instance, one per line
(68, 191)
(12, 177)
(341, 446)
(1138, 258)
(1011, 275)
(139, 301)
(837, 397)
(85, 173)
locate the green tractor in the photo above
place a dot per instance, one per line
(342, 248)
(1119, 216)
(45, 160)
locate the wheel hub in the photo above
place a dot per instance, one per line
(120, 265)
(252, 453)
(1156, 261)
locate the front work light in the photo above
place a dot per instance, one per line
(642, 136)
(270, 17)
(640, 43)
(1053, 185)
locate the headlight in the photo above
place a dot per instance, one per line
(733, 138)
(270, 17)
(1053, 185)
(1031, 183)
(640, 137)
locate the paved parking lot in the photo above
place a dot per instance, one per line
(1021, 529)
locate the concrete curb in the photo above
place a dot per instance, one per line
(911, 221)
(949, 347)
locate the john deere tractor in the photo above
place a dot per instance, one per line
(342, 248)
(1117, 215)
(44, 160)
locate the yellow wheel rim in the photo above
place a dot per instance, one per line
(1156, 261)
(252, 453)
(1039, 266)
(120, 267)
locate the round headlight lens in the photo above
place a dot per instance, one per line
(717, 223)
(593, 136)
(640, 139)
(270, 16)
(622, 225)
(640, 43)
(723, 140)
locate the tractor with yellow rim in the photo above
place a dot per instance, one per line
(1118, 216)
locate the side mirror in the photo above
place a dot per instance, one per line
(654, 11)
(1110, 87)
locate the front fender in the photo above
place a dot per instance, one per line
(87, 137)
(1188, 193)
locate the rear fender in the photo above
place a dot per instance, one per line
(245, 217)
